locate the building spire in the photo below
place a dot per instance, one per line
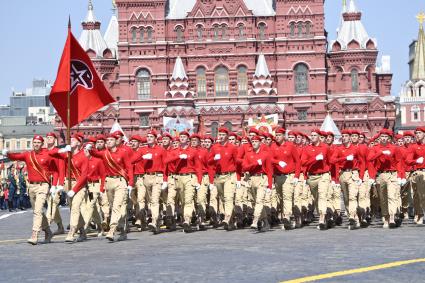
(179, 71)
(344, 6)
(90, 18)
(262, 68)
(419, 62)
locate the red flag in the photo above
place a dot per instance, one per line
(77, 75)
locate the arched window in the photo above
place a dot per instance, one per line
(262, 30)
(301, 79)
(241, 31)
(216, 31)
(307, 28)
(300, 29)
(412, 92)
(292, 29)
(228, 125)
(134, 35)
(143, 81)
(242, 81)
(354, 80)
(214, 129)
(416, 113)
(420, 90)
(150, 33)
(201, 82)
(223, 31)
(142, 35)
(179, 33)
(221, 81)
(199, 32)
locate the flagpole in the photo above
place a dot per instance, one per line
(68, 123)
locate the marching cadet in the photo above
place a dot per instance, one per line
(316, 159)
(53, 213)
(38, 163)
(350, 169)
(287, 169)
(415, 158)
(119, 182)
(79, 164)
(154, 180)
(188, 177)
(139, 194)
(224, 157)
(387, 159)
(257, 163)
(207, 175)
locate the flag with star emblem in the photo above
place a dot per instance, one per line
(77, 76)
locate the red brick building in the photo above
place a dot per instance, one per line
(225, 61)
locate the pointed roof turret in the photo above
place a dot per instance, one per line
(262, 69)
(91, 38)
(419, 61)
(111, 35)
(351, 28)
(330, 126)
(179, 71)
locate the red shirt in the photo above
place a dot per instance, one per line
(288, 153)
(92, 170)
(76, 162)
(314, 166)
(154, 165)
(382, 162)
(339, 158)
(57, 170)
(412, 153)
(42, 161)
(120, 165)
(250, 164)
(186, 166)
(228, 158)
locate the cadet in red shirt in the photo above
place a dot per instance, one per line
(316, 159)
(38, 163)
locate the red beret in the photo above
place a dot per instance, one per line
(167, 135)
(118, 134)
(223, 130)
(184, 133)
(152, 132)
(239, 138)
(256, 138)
(38, 137)
(233, 134)
(355, 132)
(254, 130)
(195, 136)
(208, 138)
(100, 137)
(280, 130)
(317, 131)
(420, 129)
(143, 140)
(346, 132)
(136, 137)
(175, 139)
(398, 136)
(409, 134)
(51, 134)
(291, 133)
(78, 137)
(386, 132)
(81, 135)
(330, 134)
(91, 139)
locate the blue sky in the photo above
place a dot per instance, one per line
(33, 34)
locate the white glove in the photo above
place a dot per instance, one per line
(5, 151)
(66, 149)
(197, 187)
(147, 156)
(129, 188)
(238, 184)
(183, 156)
(71, 194)
(53, 190)
(59, 189)
(371, 182)
(420, 160)
(350, 157)
(333, 183)
(268, 191)
(282, 164)
(295, 181)
(358, 182)
(217, 157)
(386, 152)
(260, 162)
(319, 157)
(212, 187)
(164, 186)
(88, 147)
(401, 181)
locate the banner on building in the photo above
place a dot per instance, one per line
(176, 125)
(265, 123)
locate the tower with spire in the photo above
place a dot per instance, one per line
(357, 86)
(412, 94)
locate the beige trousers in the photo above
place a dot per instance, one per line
(350, 191)
(389, 193)
(225, 193)
(187, 186)
(38, 195)
(319, 186)
(118, 196)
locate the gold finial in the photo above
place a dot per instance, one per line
(114, 4)
(421, 18)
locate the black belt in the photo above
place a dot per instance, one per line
(224, 173)
(138, 175)
(154, 173)
(349, 170)
(38, 183)
(115, 177)
(93, 182)
(387, 171)
(183, 174)
(259, 175)
(318, 174)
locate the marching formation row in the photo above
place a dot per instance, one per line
(259, 180)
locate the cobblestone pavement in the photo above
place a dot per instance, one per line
(211, 256)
